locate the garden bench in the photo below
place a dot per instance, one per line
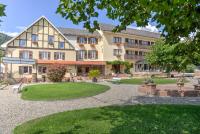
(17, 87)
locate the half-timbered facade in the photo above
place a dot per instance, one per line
(42, 44)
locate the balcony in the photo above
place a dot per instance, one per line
(126, 45)
(133, 57)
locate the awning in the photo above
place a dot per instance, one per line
(14, 60)
(71, 62)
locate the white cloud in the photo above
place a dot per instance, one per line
(149, 27)
(12, 34)
(21, 28)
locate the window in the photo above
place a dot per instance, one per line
(82, 54)
(25, 70)
(51, 39)
(42, 69)
(117, 40)
(129, 41)
(140, 42)
(25, 54)
(152, 43)
(92, 40)
(117, 52)
(140, 53)
(136, 41)
(34, 38)
(45, 55)
(145, 43)
(22, 43)
(136, 52)
(93, 54)
(82, 40)
(59, 55)
(61, 45)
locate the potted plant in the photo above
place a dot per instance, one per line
(94, 74)
(180, 82)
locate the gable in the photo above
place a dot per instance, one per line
(42, 28)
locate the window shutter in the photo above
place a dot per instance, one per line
(30, 55)
(63, 56)
(40, 55)
(55, 55)
(85, 54)
(20, 54)
(78, 39)
(30, 70)
(49, 55)
(20, 70)
(96, 40)
(96, 54)
(39, 69)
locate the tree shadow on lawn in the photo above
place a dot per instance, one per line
(153, 119)
(137, 119)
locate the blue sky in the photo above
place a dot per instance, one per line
(21, 13)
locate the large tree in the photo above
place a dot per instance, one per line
(2, 10)
(172, 57)
(175, 18)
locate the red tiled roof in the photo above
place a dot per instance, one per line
(71, 62)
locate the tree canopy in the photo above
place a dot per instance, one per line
(174, 57)
(175, 18)
(2, 10)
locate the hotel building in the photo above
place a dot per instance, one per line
(42, 44)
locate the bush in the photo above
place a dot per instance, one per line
(94, 73)
(56, 73)
(9, 81)
(190, 69)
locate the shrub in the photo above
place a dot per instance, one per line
(94, 73)
(56, 73)
(190, 68)
(9, 81)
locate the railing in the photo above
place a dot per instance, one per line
(136, 57)
(126, 45)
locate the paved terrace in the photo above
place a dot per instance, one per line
(14, 111)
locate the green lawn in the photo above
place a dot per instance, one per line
(139, 81)
(61, 91)
(138, 119)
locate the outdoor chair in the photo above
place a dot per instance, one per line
(17, 87)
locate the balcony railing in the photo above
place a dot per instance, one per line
(126, 45)
(133, 57)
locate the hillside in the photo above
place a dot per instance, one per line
(4, 38)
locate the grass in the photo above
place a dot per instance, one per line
(139, 81)
(61, 91)
(138, 119)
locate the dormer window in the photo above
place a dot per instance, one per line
(22, 43)
(61, 45)
(92, 40)
(34, 38)
(51, 39)
(82, 40)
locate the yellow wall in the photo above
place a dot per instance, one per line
(42, 28)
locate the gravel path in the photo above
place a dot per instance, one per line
(14, 111)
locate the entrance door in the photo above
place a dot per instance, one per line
(116, 68)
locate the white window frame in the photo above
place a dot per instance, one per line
(22, 43)
(60, 44)
(44, 55)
